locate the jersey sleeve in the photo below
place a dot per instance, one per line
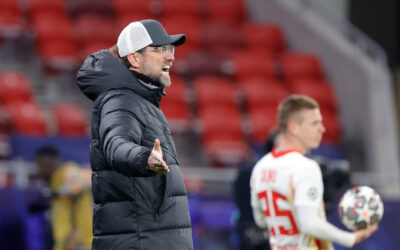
(308, 186)
(321, 229)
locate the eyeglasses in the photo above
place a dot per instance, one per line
(163, 50)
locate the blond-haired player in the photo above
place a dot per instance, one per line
(287, 188)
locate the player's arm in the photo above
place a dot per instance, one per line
(319, 228)
(308, 200)
(311, 224)
(308, 197)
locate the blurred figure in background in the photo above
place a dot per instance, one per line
(66, 196)
(287, 188)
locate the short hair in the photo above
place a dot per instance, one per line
(114, 50)
(125, 61)
(292, 105)
(47, 151)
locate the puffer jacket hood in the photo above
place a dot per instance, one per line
(102, 72)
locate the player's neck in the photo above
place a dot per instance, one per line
(288, 143)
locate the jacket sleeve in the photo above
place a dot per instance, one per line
(120, 133)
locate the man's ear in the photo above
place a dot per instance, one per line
(133, 60)
(292, 128)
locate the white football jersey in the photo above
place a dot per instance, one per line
(280, 182)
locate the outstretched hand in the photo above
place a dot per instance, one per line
(155, 161)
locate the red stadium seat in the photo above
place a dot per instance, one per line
(263, 123)
(186, 25)
(56, 6)
(82, 7)
(265, 37)
(55, 40)
(93, 33)
(332, 126)
(249, 63)
(321, 91)
(70, 119)
(94, 47)
(11, 21)
(49, 25)
(228, 11)
(300, 66)
(200, 63)
(124, 19)
(59, 54)
(221, 38)
(187, 8)
(133, 8)
(5, 122)
(28, 119)
(174, 105)
(219, 121)
(261, 94)
(223, 138)
(214, 91)
(93, 28)
(14, 88)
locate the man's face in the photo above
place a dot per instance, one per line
(46, 166)
(156, 65)
(310, 128)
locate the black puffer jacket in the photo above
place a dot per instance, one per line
(134, 208)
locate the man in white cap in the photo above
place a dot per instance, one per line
(138, 190)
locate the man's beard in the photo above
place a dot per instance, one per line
(165, 81)
(159, 79)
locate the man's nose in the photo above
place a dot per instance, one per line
(170, 56)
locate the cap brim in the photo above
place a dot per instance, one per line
(175, 40)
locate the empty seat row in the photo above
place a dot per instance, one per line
(89, 33)
(31, 120)
(246, 64)
(18, 108)
(227, 128)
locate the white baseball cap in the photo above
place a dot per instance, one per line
(140, 34)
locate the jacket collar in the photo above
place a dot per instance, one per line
(102, 72)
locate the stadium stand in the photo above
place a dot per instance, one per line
(176, 8)
(248, 65)
(14, 88)
(133, 8)
(175, 107)
(70, 120)
(231, 74)
(298, 65)
(265, 37)
(94, 32)
(254, 63)
(190, 25)
(55, 42)
(12, 23)
(227, 11)
(28, 119)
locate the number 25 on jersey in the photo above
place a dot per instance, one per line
(292, 229)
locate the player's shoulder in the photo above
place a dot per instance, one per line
(308, 163)
(302, 162)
